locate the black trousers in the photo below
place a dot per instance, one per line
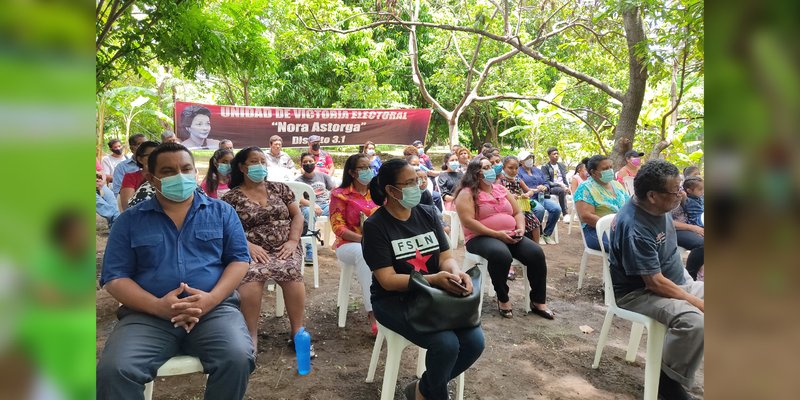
(562, 197)
(695, 244)
(499, 255)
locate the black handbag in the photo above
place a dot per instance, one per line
(430, 309)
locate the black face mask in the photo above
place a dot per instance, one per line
(116, 151)
(309, 168)
(315, 146)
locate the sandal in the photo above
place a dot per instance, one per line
(505, 313)
(512, 275)
(546, 313)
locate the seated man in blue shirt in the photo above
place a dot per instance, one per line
(648, 274)
(127, 166)
(173, 262)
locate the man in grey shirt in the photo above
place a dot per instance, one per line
(648, 274)
(275, 156)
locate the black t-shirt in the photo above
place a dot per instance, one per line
(406, 245)
(642, 244)
(448, 181)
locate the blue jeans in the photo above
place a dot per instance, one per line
(449, 352)
(140, 343)
(106, 205)
(304, 210)
(590, 234)
(553, 211)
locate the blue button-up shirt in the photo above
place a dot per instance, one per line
(535, 178)
(123, 168)
(145, 246)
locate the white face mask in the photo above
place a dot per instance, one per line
(529, 163)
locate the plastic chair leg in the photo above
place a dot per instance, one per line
(315, 252)
(656, 333)
(601, 341)
(527, 286)
(460, 387)
(393, 354)
(280, 307)
(582, 271)
(633, 343)
(345, 280)
(376, 353)
(148, 391)
(421, 361)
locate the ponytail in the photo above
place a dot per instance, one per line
(387, 175)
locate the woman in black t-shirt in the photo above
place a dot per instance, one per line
(403, 236)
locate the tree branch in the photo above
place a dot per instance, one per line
(514, 42)
(461, 55)
(680, 93)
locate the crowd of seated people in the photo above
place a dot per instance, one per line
(246, 229)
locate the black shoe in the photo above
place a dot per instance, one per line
(411, 390)
(669, 389)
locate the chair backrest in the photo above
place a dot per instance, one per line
(603, 227)
(299, 189)
(628, 182)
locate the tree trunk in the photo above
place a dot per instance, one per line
(491, 128)
(473, 127)
(100, 136)
(637, 83)
(452, 128)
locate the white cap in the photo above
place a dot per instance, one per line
(523, 155)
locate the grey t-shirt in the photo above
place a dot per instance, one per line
(322, 185)
(642, 244)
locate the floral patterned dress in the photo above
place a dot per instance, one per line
(269, 228)
(513, 187)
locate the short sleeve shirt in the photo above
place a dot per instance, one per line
(642, 244)
(282, 160)
(322, 184)
(412, 245)
(603, 201)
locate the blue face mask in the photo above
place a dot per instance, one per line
(498, 168)
(224, 169)
(257, 173)
(178, 188)
(420, 151)
(489, 175)
(365, 175)
(607, 176)
(453, 165)
(411, 196)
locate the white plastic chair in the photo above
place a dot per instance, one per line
(573, 214)
(586, 253)
(655, 330)
(455, 228)
(326, 232)
(299, 188)
(178, 365)
(472, 259)
(628, 183)
(343, 296)
(544, 223)
(395, 343)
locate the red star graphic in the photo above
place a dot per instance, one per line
(419, 262)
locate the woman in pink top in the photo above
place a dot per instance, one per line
(494, 229)
(215, 184)
(580, 175)
(348, 202)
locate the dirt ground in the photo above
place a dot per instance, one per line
(526, 357)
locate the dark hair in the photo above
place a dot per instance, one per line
(188, 114)
(140, 151)
(304, 155)
(132, 139)
(472, 180)
(486, 152)
(113, 142)
(212, 178)
(506, 159)
(409, 150)
(690, 170)
(551, 149)
(594, 162)
(692, 182)
(583, 162)
(167, 147)
(652, 177)
(387, 175)
(487, 145)
(223, 141)
(350, 165)
(237, 176)
(446, 160)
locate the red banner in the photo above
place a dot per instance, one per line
(204, 125)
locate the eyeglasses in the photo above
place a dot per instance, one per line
(676, 194)
(419, 181)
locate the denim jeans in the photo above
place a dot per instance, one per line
(449, 352)
(304, 210)
(106, 205)
(590, 233)
(553, 211)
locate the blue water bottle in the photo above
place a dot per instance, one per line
(302, 347)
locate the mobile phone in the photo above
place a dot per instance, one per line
(464, 288)
(514, 235)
